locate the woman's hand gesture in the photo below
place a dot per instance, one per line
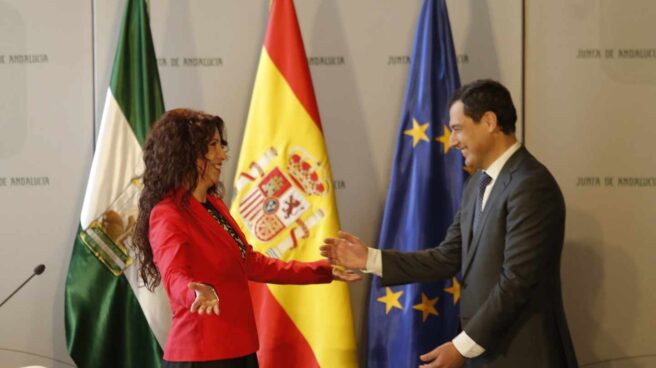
(342, 274)
(207, 302)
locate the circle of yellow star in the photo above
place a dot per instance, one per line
(418, 132)
(444, 139)
(391, 300)
(454, 290)
(427, 307)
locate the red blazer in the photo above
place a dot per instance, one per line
(189, 245)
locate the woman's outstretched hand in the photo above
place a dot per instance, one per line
(207, 302)
(342, 274)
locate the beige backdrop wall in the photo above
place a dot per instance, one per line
(208, 52)
(591, 92)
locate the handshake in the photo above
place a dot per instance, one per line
(348, 253)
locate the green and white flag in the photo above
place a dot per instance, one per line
(111, 319)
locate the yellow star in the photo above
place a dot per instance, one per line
(391, 300)
(418, 132)
(444, 139)
(427, 307)
(454, 290)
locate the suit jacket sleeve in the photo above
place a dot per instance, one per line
(266, 269)
(171, 254)
(534, 230)
(432, 264)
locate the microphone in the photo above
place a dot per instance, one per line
(37, 271)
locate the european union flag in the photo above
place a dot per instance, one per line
(424, 195)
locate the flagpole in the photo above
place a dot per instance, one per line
(93, 75)
(523, 98)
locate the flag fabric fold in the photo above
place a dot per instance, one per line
(284, 201)
(424, 195)
(111, 320)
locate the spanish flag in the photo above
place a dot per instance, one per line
(285, 202)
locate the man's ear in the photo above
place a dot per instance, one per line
(489, 118)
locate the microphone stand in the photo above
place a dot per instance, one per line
(37, 271)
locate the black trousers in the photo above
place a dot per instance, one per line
(249, 361)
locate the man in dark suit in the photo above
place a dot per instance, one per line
(506, 242)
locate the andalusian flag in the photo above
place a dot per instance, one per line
(111, 320)
(285, 202)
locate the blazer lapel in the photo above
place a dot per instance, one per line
(207, 221)
(225, 211)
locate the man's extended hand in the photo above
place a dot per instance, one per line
(346, 250)
(206, 299)
(443, 356)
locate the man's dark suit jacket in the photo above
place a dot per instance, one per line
(511, 302)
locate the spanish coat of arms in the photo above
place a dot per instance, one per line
(279, 199)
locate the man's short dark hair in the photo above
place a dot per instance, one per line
(485, 95)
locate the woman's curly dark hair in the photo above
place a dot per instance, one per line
(172, 148)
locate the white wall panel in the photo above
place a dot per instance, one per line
(46, 132)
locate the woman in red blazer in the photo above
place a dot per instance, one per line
(186, 237)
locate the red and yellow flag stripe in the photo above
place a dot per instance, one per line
(299, 326)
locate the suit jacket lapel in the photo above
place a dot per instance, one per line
(467, 215)
(492, 205)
